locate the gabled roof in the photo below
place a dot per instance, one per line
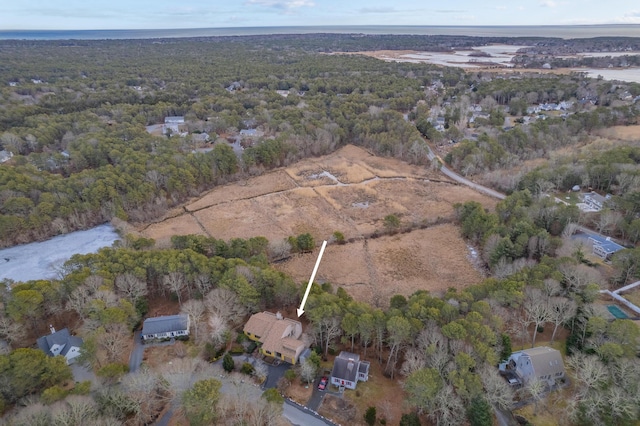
(60, 338)
(346, 366)
(277, 334)
(72, 342)
(165, 324)
(545, 360)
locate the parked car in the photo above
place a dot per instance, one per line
(323, 383)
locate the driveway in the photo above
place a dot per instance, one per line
(135, 359)
(316, 396)
(275, 374)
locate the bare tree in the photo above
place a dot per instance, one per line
(195, 310)
(308, 371)
(132, 288)
(218, 329)
(175, 282)
(149, 391)
(10, 330)
(590, 373)
(114, 341)
(497, 391)
(203, 283)
(535, 388)
(414, 360)
(449, 409)
(226, 304)
(561, 310)
(536, 310)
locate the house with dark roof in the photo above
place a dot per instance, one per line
(603, 247)
(348, 370)
(280, 337)
(60, 343)
(165, 327)
(595, 201)
(542, 363)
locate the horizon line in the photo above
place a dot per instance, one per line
(327, 26)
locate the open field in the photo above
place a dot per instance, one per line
(625, 133)
(350, 191)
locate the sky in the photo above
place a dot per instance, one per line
(165, 14)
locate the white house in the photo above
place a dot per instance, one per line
(594, 200)
(172, 123)
(60, 343)
(165, 327)
(542, 363)
(5, 156)
(348, 370)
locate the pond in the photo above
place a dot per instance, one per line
(43, 260)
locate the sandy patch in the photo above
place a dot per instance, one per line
(626, 133)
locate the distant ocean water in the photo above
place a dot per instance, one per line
(561, 31)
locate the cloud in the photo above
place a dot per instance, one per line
(630, 17)
(377, 10)
(282, 4)
(449, 11)
(548, 3)
(501, 7)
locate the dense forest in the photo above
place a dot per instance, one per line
(74, 116)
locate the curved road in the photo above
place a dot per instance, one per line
(464, 181)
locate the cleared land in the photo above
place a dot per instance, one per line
(350, 191)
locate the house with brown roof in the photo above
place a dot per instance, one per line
(542, 363)
(280, 337)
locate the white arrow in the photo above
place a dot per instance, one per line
(313, 275)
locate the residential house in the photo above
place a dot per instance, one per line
(280, 337)
(594, 200)
(348, 370)
(603, 247)
(542, 363)
(172, 123)
(5, 156)
(60, 343)
(165, 327)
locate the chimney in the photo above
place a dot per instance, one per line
(52, 328)
(278, 315)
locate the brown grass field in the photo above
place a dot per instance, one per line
(350, 191)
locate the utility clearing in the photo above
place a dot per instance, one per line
(350, 191)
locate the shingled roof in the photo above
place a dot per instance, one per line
(165, 324)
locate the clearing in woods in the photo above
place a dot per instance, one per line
(350, 191)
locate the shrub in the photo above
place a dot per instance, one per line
(113, 371)
(251, 347)
(370, 416)
(339, 237)
(53, 394)
(290, 375)
(227, 363)
(247, 368)
(82, 388)
(272, 395)
(410, 419)
(236, 350)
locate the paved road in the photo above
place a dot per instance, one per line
(301, 417)
(453, 175)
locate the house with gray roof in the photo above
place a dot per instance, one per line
(348, 370)
(5, 156)
(604, 247)
(542, 363)
(60, 343)
(165, 327)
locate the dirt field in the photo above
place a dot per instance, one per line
(350, 191)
